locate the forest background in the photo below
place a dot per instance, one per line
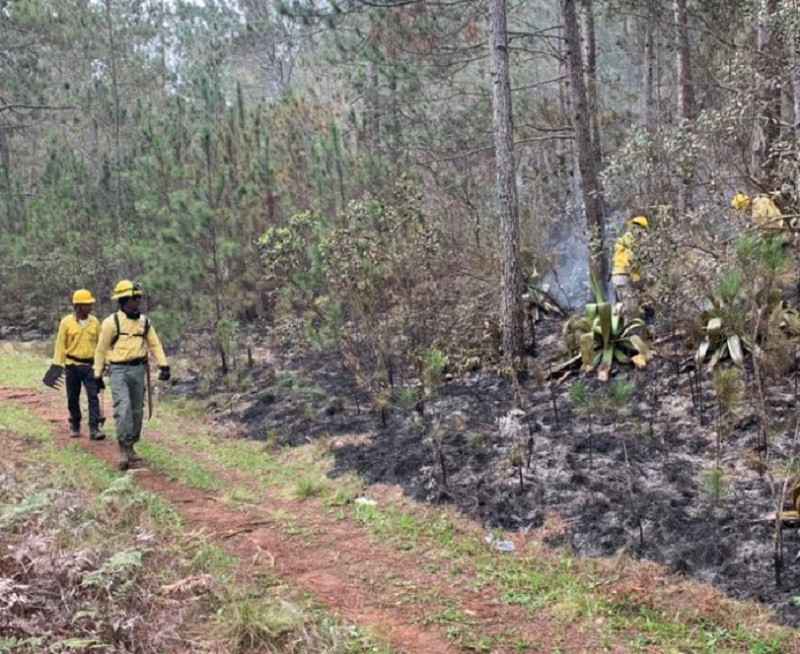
(331, 166)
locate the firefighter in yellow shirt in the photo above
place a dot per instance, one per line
(624, 273)
(74, 353)
(764, 213)
(126, 339)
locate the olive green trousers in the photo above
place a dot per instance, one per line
(127, 393)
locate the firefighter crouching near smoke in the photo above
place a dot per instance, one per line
(126, 338)
(74, 353)
(624, 274)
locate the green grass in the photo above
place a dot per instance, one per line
(177, 466)
(241, 613)
(257, 624)
(242, 495)
(309, 486)
(16, 418)
(23, 365)
(566, 590)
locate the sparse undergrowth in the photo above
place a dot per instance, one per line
(612, 602)
(92, 563)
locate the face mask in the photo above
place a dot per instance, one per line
(133, 315)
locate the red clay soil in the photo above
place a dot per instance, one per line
(374, 585)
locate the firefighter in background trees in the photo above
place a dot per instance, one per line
(765, 215)
(76, 342)
(624, 274)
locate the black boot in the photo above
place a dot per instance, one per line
(96, 434)
(132, 456)
(124, 461)
(74, 430)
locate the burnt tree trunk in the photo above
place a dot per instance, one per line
(589, 48)
(590, 186)
(503, 128)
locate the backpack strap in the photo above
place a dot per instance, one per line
(118, 332)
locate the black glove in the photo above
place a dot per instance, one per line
(163, 373)
(52, 376)
(95, 384)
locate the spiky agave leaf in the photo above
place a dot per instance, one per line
(598, 292)
(719, 353)
(605, 316)
(642, 347)
(604, 369)
(735, 348)
(714, 329)
(587, 350)
(702, 351)
(620, 356)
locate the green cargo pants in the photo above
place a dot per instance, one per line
(127, 392)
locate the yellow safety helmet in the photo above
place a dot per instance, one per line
(639, 220)
(82, 296)
(741, 202)
(126, 288)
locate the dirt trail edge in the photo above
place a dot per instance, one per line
(327, 571)
(395, 593)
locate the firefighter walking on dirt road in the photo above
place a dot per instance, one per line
(74, 354)
(126, 339)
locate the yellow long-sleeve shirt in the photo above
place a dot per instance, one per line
(766, 215)
(623, 255)
(76, 343)
(132, 343)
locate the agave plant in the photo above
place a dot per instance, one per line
(726, 330)
(603, 337)
(721, 342)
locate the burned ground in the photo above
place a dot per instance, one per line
(639, 478)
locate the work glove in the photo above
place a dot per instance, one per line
(163, 373)
(95, 383)
(53, 375)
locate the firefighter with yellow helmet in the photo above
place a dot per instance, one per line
(765, 215)
(73, 356)
(624, 273)
(126, 339)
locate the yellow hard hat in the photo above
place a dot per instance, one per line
(126, 288)
(741, 202)
(639, 220)
(82, 296)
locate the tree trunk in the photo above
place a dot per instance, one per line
(374, 108)
(795, 45)
(648, 75)
(394, 121)
(590, 186)
(511, 283)
(112, 56)
(686, 103)
(766, 128)
(590, 76)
